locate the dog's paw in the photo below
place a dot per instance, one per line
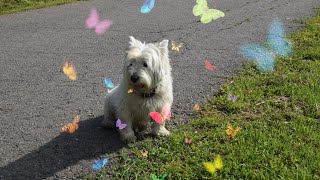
(129, 138)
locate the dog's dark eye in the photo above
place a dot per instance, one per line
(130, 64)
(145, 64)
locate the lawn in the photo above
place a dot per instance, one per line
(12, 6)
(278, 116)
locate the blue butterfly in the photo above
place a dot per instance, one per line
(108, 83)
(277, 44)
(98, 164)
(147, 6)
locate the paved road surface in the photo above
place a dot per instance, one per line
(37, 98)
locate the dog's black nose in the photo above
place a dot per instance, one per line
(134, 78)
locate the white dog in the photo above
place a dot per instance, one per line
(147, 71)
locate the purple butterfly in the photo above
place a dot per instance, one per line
(120, 125)
(232, 98)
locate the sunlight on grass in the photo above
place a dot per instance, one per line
(278, 115)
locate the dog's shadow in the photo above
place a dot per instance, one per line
(88, 142)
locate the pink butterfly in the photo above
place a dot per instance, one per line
(161, 117)
(209, 66)
(120, 125)
(93, 22)
(232, 98)
(188, 141)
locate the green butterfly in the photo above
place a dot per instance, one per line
(155, 177)
(202, 9)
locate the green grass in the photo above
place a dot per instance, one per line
(12, 6)
(278, 114)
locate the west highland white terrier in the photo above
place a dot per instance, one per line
(147, 72)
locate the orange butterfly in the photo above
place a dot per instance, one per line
(196, 107)
(231, 131)
(71, 127)
(144, 153)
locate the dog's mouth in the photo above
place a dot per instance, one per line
(138, 87)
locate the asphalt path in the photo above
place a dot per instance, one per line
(37, 98)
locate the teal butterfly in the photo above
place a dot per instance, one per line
(263, 55)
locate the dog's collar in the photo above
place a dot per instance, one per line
(149, 94)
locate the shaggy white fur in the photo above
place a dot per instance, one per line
(147, 71)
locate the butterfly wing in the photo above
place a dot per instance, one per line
(218, 162)
(122, 126)
(208, 65)
(276, 39)
(166, 112)
(229, 130)
(76, 119)
(200, 7)
(156, 117)
(102, 26)
(234, 98)
(210, 167)
(93, 19)
(69, 70)
(147, 6)
(235, 132)
(188, 141)
(108, 83)
(118, 123)
(196, 107)
(230, 96)
(207, 16)
(173, 45)
(215, 14)
(260, 56)
(98, 164)
(164, 176)
(154, 177)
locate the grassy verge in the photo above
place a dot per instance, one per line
(12, 6)
(278, 115)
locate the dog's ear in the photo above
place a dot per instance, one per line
(132, 40)
(135, 42)
(163, 46)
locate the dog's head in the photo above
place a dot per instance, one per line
(146, 64)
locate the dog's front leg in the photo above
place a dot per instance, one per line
(159, 129)
(127, 134)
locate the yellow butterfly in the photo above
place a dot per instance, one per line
(207, 15)
(69, 70)
(216, 165)
(176, 46)
(231, 131)
(130, 90)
